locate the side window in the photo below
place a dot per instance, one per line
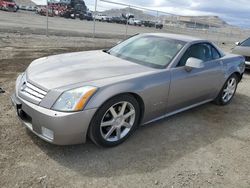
(216, 54)
(200, 51)
(246, 42)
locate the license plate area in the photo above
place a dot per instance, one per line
(20, 112)
(18, 109)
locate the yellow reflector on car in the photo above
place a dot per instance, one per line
(84, 99)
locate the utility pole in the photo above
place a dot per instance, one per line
(47, 16)
(126, 34)
(94, 19)
(157, 17)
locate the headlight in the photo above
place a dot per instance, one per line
(75, 99)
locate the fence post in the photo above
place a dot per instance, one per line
(157, 15)
(94, 19)
(126, 34)
(47, 17)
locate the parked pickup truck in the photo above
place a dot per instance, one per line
(133, 21)
(8, 5)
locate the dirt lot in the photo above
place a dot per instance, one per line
(29, 22)
(208, 146)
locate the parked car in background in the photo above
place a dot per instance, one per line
(8, 5)
(157, 25)
(107, 94)
(243, 48)
(148, 23)
(119, 20)
(86, 16)
(101, 17)
(30, 8)
(134, 21)
(22, 7)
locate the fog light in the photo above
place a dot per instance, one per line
(47, 133)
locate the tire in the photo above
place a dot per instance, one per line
(107, 135)
(221, 99)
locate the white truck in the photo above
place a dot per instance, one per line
(133, 21)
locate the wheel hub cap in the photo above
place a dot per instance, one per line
(117, 121)
(229, 90)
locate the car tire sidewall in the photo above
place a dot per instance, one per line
(94, 129)
(219, 99)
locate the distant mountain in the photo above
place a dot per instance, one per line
(199, 21)
(139, 14)
(211, 21)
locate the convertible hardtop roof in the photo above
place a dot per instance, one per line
(184, 38)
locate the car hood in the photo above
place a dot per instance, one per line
(242, 50)
(67, 69)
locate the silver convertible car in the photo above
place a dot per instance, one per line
(105, 95)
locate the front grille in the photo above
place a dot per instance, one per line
(247, 58)
(32, 92)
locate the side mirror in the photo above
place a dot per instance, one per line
(194, 63)
(237, 43)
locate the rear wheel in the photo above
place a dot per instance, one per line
(115, 121)
(227, 93)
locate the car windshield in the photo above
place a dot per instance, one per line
(246, 42)
(148, 50)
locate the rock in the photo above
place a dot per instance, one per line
(219, 172)
(156, 182)
(40, 179)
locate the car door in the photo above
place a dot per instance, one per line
(198, 85)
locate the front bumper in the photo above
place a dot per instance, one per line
(59, 128)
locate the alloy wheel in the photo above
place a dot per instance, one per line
(229, 89)
(117, 121)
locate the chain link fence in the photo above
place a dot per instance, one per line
(112, 21)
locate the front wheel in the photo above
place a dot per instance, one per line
(115, 121)
(227, 93)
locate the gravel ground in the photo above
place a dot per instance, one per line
(208, 146)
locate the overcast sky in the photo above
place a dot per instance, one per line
(236, 12)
